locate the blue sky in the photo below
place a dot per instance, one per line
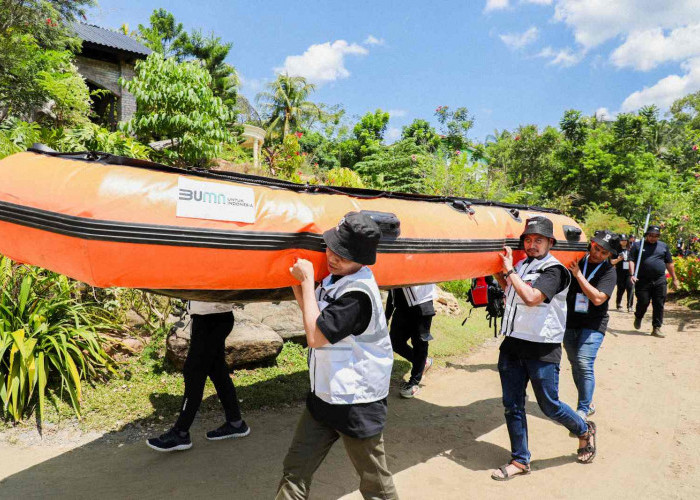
(510, 62)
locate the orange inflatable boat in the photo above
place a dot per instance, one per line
(115, 221)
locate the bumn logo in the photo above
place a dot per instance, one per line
(205, 196)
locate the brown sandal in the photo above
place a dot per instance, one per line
(591, 438)
(507, 477)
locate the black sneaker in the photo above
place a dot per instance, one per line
(229, 431)
(637, 323)
(173, 440)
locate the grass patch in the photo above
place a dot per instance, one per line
(148, 390)
(691, 301)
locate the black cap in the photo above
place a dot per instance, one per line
(653, 230)
(608, 241)
(355, 238)
(539, 225)
(624, 237)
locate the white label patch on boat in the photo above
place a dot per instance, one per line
(214, 201)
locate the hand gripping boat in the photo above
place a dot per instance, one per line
(115, 221)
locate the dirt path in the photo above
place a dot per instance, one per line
(440, 445)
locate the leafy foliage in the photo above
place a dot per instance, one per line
(688, 273)
(48, 339)
(175, 101)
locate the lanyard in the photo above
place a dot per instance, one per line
(585, 267)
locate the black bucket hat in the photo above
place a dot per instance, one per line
(539, 225)
(355, 238)
(653, 230)
(607, 240)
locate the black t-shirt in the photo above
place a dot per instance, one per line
(605, 280)
(550, 282)
(350, 314)
(620, 266)
(655, 256)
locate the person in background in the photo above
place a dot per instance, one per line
(587, 314)
(350, 360)
(533, 324)
(211, 322)
(622, 267)
(650, 283)
(411, 311)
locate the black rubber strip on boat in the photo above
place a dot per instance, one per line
(110, 159)
(125, 232)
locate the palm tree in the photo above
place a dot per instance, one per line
(285, 103)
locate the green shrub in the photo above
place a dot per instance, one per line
(48, 339)
(688, 273)
(458, 288)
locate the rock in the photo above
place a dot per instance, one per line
(446, 303)
(283, 317)
(250, 342)
(133, 320)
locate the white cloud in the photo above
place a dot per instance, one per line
(372, 40)
(322, 62)
(393, 134)
(668, 89)
(596, 21)
(561, 57)
(519, 40)
(538, 2)
(644, 50)
(496, 5)
(397, 113)
(604, 114)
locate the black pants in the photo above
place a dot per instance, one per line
(411, 324)
(654, 291)
(624, 284)
(206, 359)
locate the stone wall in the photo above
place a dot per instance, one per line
(106, 75)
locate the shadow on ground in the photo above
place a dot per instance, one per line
(115, 466)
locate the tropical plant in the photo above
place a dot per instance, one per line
(48, 339)
(286, 105)
(175, 101)
(285, 160)
(422, 134)
(343, 177)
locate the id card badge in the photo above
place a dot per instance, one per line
(581, 304)
(626, 265)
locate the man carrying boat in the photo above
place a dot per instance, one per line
(533, 325)
(650, 279)
(587, 316)
(350, 360)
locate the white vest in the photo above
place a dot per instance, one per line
(541, 323)
(199, 307)
(419, 294)
(356, 369)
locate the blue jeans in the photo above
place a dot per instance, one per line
(515, 375)
(582, 346)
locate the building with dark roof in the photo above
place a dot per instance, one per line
(107, 56)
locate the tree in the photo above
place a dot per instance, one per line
(164, 35)
(455, 126)
(399, 167)
(422, 134)
(286, 105)
(175, 101)
(212, 52)
(35, 37)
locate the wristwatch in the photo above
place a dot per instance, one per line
(505, 276)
